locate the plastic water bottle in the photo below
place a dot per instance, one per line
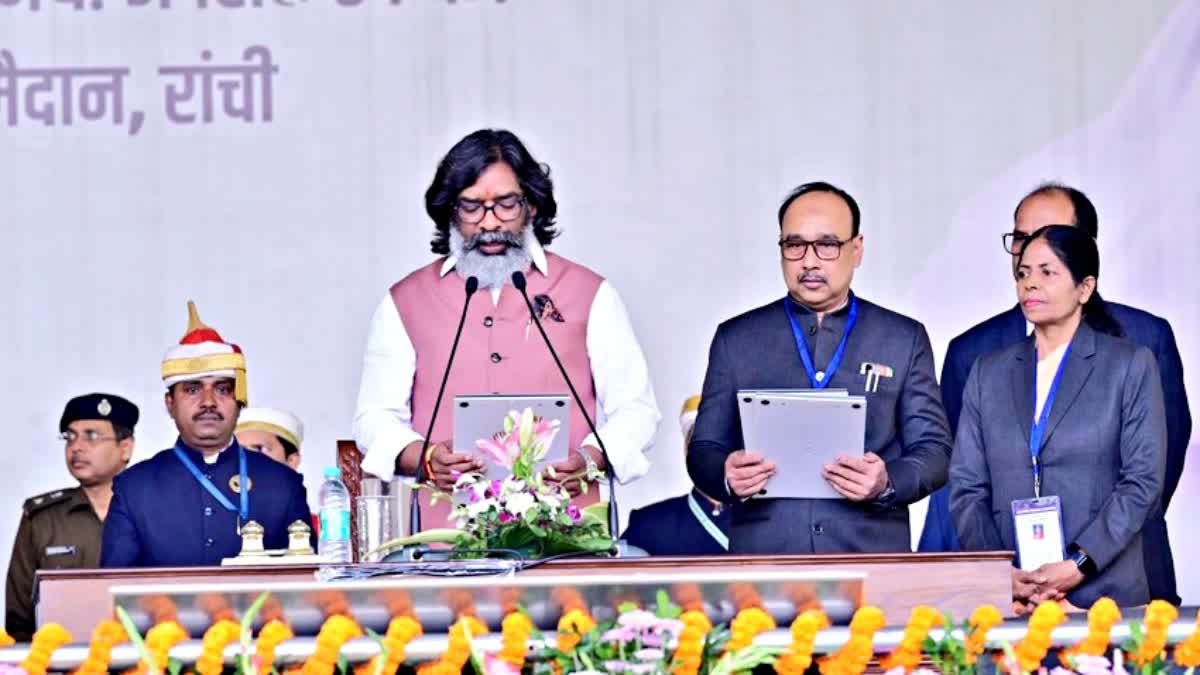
(334, 543)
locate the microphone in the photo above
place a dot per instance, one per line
(518, 279)
(414, 511)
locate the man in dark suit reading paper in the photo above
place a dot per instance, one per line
(822, 335)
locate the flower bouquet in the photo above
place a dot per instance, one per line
(521, 512)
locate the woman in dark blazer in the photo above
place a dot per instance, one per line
(1103, 442)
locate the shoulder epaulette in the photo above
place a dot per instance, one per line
(35, 504)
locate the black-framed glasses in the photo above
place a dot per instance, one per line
(794, 248)
(1014, 242)
(506, 209)
(89, 436)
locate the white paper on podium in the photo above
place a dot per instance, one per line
(479, 416)
(802, 430)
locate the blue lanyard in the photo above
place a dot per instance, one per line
(1039, 425)
(244, 485)
(821, 380)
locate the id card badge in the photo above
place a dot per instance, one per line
(1038, 527)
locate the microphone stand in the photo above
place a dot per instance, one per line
(518, 279)
(414, 510)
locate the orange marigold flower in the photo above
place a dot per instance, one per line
(1103, 615)
(798, 657)
(335, 632)
(1032, 649)
(514, 639)
(908, 654)
(853, 657)
(983, 619)
(1159, 616)
(572, 627)
(212, 653)
(1187, 653)
(272, 633)
(47, 639)
(748, 623)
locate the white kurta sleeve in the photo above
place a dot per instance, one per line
(383, 417)
(624, 395)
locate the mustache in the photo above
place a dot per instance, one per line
(208, 415)
(811, 276)
(511, 239)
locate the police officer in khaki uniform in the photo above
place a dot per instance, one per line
(62, 529)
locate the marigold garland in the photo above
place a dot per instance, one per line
(798, 657)
(106, 634)
(983, 619)
(458, 648)
(1032, 649)
(337, 630)
(47, 638)
(514, 639)
(748, 623)
(907, 654)
(401, 631)
(159, 640)
(572, 626)
(6, 640)
(1159, 615)
(273, 632)
(1103, 615)
(212, 652)
(689, 651)
(1187, 653)
(853, 657)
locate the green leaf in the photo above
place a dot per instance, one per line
(666, 609)
(247, 631)
(343, 665)
(383, 651)
(433, 536)
(134, 636)
(174, 666)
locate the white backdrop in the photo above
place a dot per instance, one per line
(673, 128)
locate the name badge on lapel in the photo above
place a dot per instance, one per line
(874, 371)
(1038, 526)
(59, 550)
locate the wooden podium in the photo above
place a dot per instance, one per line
(953, 582)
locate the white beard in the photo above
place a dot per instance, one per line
(492, 271)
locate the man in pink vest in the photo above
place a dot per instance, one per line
(493, 208)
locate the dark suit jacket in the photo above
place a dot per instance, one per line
(1103, 455)
(906, 427)
(672, 527)
(161, 517)
(1142, 328)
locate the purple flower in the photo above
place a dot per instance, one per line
(1086, 664)
(506, 517)
(638, 619)
(573, 512)
(620, 635)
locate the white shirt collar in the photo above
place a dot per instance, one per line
(536, 253)
(212, 459)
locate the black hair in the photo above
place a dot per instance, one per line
(289, 448)
(122, 432)
(822, 186)
(1076, 249)
(1085, 212)
(460, 168)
